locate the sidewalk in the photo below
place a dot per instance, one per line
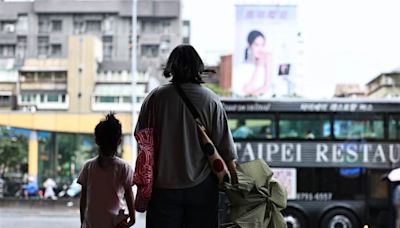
(14, 202)
(39, 213)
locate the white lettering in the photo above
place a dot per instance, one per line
(298, 152)
(352, 155)
(379, 154)
(287, 150)
(248, 151)
(366, 150)
(393, 152)
(322, 149)
(272, 148)
(260, 151)
(337, 153)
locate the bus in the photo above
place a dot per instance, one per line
(331, 155)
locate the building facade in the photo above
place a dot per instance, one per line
(349, 90)
(385, 85)
(63, 63)
(39, 31)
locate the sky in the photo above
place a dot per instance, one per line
(345, 41)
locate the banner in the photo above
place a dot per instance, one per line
(265, 51)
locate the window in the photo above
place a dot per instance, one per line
(107, 47)
(139, 99)
(22, 23)
(5, 100)
(44, 24)
(108, 24)
(335, 183)
(358, 127)
(52, 98)
(56, 50)
(27, 98)
(56, 26)
(7, 26)
(394, 127)
(378, 188)
(79, 24)
(7, 50)
(300, 126)
(21, 46)
(44, 77)
(186, 32)
(252, 126)
(127, 99)
(27, 76)
(107, 99)
(164, 46)
(93, 26)
(166, 25)
(60, 76)
(150, 50)
(43, 45)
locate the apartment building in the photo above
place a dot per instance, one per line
(385, 85)
(47, 43)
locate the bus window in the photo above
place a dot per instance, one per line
(300, 126)
(321, 184)
(378, 187)
(394, 127)
(251, 126)
(358, 127)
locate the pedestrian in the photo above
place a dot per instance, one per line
(106, 180)
(31, 189)
(49, 186)
(396, 203)
(185, 192)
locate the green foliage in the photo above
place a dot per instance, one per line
(216, 89)
(13, 151)
(73, 149)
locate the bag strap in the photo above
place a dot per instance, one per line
(189, 104)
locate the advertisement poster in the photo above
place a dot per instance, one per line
(288, 178)
(265, 51)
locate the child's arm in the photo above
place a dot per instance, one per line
(82, 204)
(130, 203)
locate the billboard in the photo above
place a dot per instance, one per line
(265, 51)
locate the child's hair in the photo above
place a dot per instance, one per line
(108, 133)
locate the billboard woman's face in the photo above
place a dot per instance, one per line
(257, 48)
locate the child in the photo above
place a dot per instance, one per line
(105, 180)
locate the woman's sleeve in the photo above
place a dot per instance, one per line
(221, 134)
(142, 119)
(82, 178)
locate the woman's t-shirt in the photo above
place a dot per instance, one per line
(180, 160)
(105, 189)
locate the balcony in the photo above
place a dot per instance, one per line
(43, 85)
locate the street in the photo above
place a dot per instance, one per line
(13, 217)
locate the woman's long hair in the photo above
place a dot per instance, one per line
(184, 65)
(250, 39)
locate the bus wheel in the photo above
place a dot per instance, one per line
(339, 218)
(294, 218)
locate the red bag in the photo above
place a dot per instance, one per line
(144, 169)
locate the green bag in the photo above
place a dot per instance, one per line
(257, 201)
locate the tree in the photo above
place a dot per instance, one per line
(13, 151)
(216, 89)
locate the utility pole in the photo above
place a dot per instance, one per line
(133, 72)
